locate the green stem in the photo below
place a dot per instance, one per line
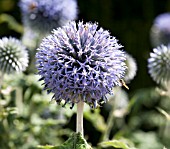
(19, 100)
(110, 123)
(1, 81)
(79, 127)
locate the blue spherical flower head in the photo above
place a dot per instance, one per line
(159, 64)
(45, 15)
(79, 62)
(160, 31)
(13, 55)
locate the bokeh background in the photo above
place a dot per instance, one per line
(129, 21)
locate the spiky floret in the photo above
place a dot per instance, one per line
(159, 64)
(13, 55)
(45, 15)
(160, 30)
(78, 62)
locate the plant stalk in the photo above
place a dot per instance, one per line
(1, 80)
(110, 123)
(79, 127)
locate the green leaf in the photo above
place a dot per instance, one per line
(115, 144)
(164, 113)
(146, 140)
(94, 117)
(12, 110)
(76, 141)
(45, 147)
(13, 24)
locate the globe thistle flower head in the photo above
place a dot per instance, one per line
(131, 68)
(159, 64)
(13, 55)
(44, 15)
(160, 30)
(80, 62)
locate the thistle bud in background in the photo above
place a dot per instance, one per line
(160, 30)
(119, 100)
(80, 62)
(30, 38)
(159, 64)
(44, 15)
(131, 68)
(13, 55)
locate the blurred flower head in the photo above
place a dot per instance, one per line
(30, 38)
(131, 68)
(13, 55)
(159, 64)
(119, 101)
(160, 30)
(44, 15)
(80, 62)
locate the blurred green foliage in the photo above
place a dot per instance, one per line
(29, 118)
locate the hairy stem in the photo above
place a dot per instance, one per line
(80, 107)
